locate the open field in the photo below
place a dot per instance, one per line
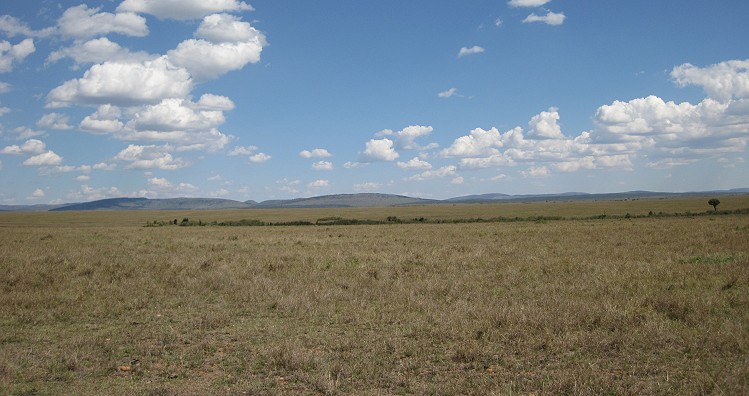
(94, 303)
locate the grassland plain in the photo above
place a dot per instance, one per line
(95, 303)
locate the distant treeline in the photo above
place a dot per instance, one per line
(340, 221)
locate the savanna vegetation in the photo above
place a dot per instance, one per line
(95, 303)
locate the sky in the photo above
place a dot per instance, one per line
(278, 99)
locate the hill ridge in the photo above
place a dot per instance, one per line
(339, 201)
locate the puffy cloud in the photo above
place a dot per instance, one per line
(31, 146)
(470, 51)
(88, 193)
(98, 50)
(175, 115)
(479, 142)
(722, 81)
(105, 166)
(415, 163)
(208, 59)
(182, 9)
(322, 165)
(12, 27)
(164, 186)
(242, 150)
(4, 88)
(11, 54)
(288, 186)
(449, 93)
(544, 125)
(54, 121)
(491, 161)
(457, 180)
(315, 153)
(259, 158)
(536, 171)
(378, 150)
(587, 162)
(105, 120)
(46, 158)
(544, 143)
(669, 129)
(159, 182)
(81, 22)
(405, 139)
(551, 18)
(319, 184)
(527, 3)
(444, 171)
(251, 153)
(25, 132)
(225, 28)
(191, 126)
(126, 84)
(149, 157)
(214, 102)
(38, 193)
(354, 165)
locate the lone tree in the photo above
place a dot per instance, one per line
(714, 202)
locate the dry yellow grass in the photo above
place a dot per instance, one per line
(94, 303)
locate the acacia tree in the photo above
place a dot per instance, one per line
(714, 202)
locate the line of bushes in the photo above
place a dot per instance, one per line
(340, 221)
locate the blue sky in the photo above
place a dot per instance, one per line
(283, 99)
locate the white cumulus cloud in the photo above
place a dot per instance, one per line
(315, 153)
(527, 3)
(479, 142)
(81, 22)
(551, 18)
(11, 54)
(105, 120)
(259, 158)
(379, 150)
(243, 150)
(54, 121)
(405, 139)
(182, 9)
(444, 171)
(545, 125)
(319, 184)
(470, 51)
(44, 159)
(124, 84)
(206, 60)
(149, 157)
(448, 93)
(414, 163)
(31, 146)
(536, 171)
(98, 50)
(322, 165)
(722, 81)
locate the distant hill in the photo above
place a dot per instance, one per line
(156, 204)
(29, 208)
(346, 201)
(342, 201)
